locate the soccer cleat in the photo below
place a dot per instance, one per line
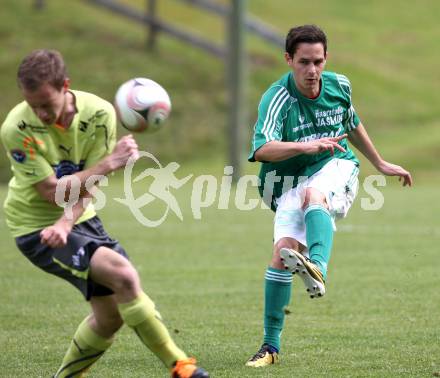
(188, 369)
(296, 262)
(264, 357)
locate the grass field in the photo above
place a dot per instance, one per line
(379, 318)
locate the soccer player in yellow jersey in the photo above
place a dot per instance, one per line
(62, 134)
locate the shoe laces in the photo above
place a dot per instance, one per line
(184, 368)
(312, 263)
(261, 353)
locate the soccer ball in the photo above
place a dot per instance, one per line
(142, 105)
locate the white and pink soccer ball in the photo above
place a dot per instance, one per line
(142, 105)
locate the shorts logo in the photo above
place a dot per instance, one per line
(76, 258)
(18, 155)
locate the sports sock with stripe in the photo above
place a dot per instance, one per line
(278, 288)
(141, 315)
(84, 350)
(319, 236)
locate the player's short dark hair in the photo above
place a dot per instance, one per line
(41, 67)
(304, 34)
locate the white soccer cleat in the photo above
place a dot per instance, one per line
(312, 277)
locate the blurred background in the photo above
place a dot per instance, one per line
(388, 50)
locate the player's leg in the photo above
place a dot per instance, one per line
(92, 338)
(106, 319)
(328, 196)
(319, 239)
(319, 229)
(71, 263)
(289, 234)
(138, 311)
(278, 288)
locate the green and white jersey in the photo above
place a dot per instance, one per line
(37, 151)
(284, 114)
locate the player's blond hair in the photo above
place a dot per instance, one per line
(42, 67)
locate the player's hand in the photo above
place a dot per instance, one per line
(56, 236)
(125, 149)
(324, 144)
(390, 169)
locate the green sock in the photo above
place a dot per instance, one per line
(319, 235)
(141, 315)
(278, 288)
(84, 350)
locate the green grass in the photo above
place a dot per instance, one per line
(379, 318)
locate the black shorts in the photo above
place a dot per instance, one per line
(72, 261)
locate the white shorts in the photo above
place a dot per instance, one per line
(337, 180)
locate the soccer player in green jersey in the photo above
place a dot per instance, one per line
(308, 172)
(62, 135)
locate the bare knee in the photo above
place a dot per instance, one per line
(114, 271)
(314, 197)
(283, 243)
(125, 281)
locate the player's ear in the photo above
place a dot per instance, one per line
(288, 58)
(66, 84)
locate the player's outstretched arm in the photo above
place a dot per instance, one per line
(278, 151)
(360, 139)
(125, 149)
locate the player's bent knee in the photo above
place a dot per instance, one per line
(282, 243)
(286, 243)
(314, 196)
(125, 279)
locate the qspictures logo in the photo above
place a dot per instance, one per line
(207, 190)
(161, 189)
